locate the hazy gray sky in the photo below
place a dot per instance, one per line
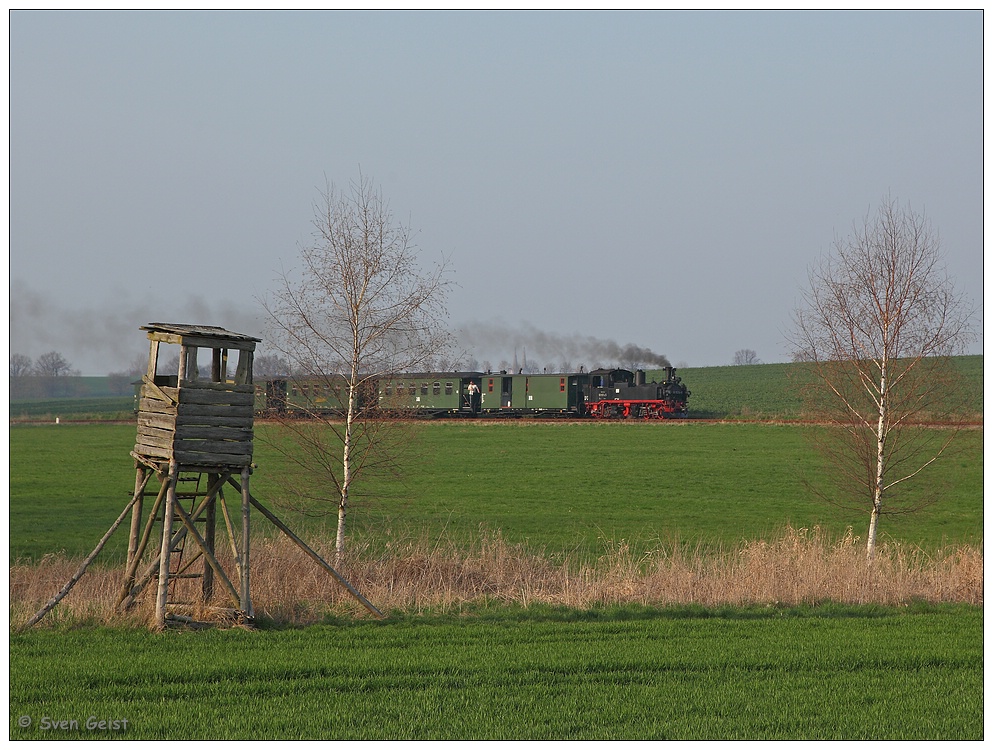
(661, 178)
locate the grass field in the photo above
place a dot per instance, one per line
(628, 673)
(101, 408)
(558, 488)
(492, 670)
(765, 391)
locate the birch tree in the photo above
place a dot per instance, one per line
(874, 333)
(359, 306)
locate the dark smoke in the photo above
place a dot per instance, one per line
(105, 336)
(496, 342)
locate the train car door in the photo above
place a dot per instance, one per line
(275, 396)
(522, 393)
(471, 398)
(506, 392)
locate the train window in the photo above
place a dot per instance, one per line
(424, 389)
(436, 388)
(489, 388)
(562, 385)
(401, 389)
(448, 389)
(388, 390)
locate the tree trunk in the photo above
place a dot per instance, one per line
(870, 547)
(339, 542)
(877, 493)
(346, 463)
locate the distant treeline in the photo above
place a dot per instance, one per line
(52, 376)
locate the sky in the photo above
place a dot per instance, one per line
(663, 179)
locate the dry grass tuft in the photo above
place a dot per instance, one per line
(801, 566)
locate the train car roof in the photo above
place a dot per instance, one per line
(461, 374)
(491, 374)
(549, 373)
(611, 369)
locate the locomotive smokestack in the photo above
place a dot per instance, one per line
(639, 377)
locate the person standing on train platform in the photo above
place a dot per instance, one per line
(474, 397)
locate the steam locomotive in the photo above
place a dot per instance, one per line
(599, 394)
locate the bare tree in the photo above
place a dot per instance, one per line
(745, 357)
(54, 365)
(20, 365)
(874, 334)
(358, 308)
(22, 384)
(270, 366)
(53, 376)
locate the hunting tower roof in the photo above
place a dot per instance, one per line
(201, 332)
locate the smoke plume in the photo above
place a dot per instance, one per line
(104, 336)
(496, 343)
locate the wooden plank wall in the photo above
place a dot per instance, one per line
(199, 424)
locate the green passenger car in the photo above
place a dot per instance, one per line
(439, 393)
(545, 392)
(432, 394)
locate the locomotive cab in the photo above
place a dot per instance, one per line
(610, 378)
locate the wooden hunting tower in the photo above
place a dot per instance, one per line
(195, 434)
(195, 430)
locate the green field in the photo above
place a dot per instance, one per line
(767, 392)
(98, 408)
(501, 672)
(541, 673)
(559, 488)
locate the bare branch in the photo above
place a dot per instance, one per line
(359, 307)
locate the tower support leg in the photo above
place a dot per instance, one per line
(162, 595)
(140, 480)
(246, 505)
(208, 538)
